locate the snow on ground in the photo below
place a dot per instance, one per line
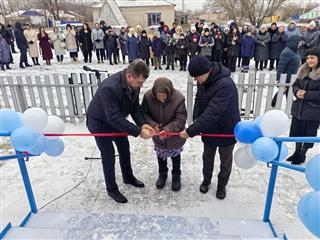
(53, 176)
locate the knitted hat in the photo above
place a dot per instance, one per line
(198, 66)
(314, 51)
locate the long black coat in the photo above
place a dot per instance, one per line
(85, 41)
(233, 50)
(144, 46)
(309, 107)
(110, 41)
(216, 108)
(277, 44)
(21, 40)
(112, 104)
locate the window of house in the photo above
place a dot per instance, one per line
(154, 19)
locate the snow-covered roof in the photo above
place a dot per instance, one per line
(98, 5)
(142, 3)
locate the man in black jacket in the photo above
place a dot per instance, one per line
(216, 111)
(116, 98)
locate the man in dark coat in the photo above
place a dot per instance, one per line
(216, 111)
(22, 44)
(144, 47)
(116, 98)
(277, 44)
(289, 62)
(110, 40)
(12, 39)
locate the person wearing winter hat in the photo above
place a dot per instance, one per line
(164, 109)
(206, 43)
(306, 107)
(182, 48)
(310, 39)
(216, 111)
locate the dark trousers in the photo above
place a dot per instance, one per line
(274, 99)
(112, 54)
(272, 63)
(60, 58)
(176, 162)
(106, 147)
(170, 61)
(304, 128)
(217, 56)
(183, 60)
(226, 156)
(100, 54)
(12, 47)
(261, 65)
(146, 60)
(87, 55)
(232, 63)
(239, 61)
(23, 57)
(245, 62)
(74, 55)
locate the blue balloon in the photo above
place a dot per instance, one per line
(40, 145)
(9, 120)
(247, 132)
(265, 149)
(55, 147)
(313, 173)
(284, 152)
(309, 212)
(23, 139)
(258, 120)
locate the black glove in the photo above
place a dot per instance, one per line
(31, 42)
(98, 40)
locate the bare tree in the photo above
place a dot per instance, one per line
(254, 11)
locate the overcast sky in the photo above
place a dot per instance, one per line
(198, 4)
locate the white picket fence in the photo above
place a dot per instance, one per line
(68, 96)
(255, 91)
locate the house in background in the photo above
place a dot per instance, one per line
(132, 12)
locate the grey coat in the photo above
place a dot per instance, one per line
(310, 38)
(123, 43)
(278, 43)
(261, 52)
(57, 39)
(97, 35)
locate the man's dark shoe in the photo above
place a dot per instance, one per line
(204, 187)
(221, 192)
(117, 196)
(161, 182)
(134, 182)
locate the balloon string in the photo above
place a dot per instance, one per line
(126, 134)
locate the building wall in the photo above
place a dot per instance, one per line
(2, 20)
(139, 15)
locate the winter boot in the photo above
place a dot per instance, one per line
(161, 182)
(204, 187)
(176, 183)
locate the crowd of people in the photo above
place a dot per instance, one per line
(231, 44)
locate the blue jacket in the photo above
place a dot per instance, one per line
(21, 40)
(133, 48)
(112, 104)
(157, 47)
(247, 46)
(216, 108)
(5, 54)
(289, 58)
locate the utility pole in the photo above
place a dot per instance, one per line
(183, 6)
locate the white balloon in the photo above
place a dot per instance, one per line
(274, 123)
(243, 158)
(35, 118)
(55, 125)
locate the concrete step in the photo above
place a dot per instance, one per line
(133, 226)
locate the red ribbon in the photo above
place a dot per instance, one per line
(126, 134)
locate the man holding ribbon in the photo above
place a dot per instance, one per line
(216, 111)
(116, 98)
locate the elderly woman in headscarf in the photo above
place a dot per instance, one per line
(164, 109)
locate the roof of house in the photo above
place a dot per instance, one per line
(136, 3)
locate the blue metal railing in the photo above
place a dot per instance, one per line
(274, 170)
